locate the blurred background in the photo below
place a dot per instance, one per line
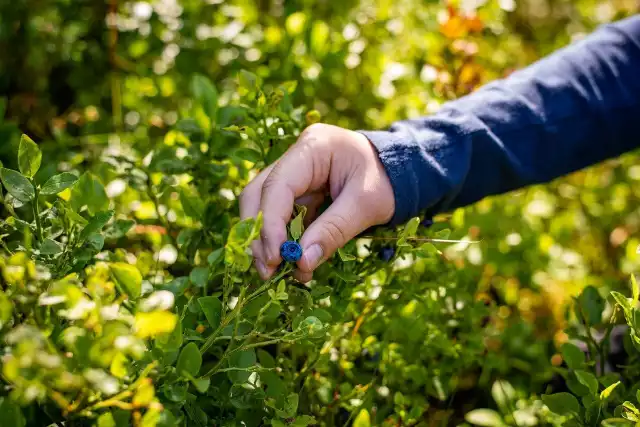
(82, 76)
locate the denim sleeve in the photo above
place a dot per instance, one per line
(572, 109)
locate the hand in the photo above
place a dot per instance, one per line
(326, 160)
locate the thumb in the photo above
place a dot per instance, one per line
(342, 221)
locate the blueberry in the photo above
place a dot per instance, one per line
(291, 251)
(387, 253)
(427, 222)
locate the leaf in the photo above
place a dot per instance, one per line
(591, 305)
(128, 277)
(561, 403)
(201, 384)
(248, 154)
(345, 257)
(6, 309)
(296, 227)
(11, 414)
(190, 360)
(291, 404)
(634, 288)
(243, 360)
(409, 231)
(206, 94)
(484, 417)
(192, 205)
(152, 324)
(50, 247)
(106, 420)
(362, 419)
(212, 309)
(144, 394)
(589, 380)
(215, 256)
(572, 355)
(303, 421)
(178, 285)
(266, 359)
(17, 185)
(606, 393)
(58, 183)
(119, 228)
(88, 191)
(172, 341)
(96, 224)
(29, 157)
(199, 276)
(504, 394)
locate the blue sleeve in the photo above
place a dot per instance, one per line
(570, 110)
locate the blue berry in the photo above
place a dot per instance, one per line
(427, 222)
(291, 251)
(387, 253)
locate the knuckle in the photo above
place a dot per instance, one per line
(334, 228)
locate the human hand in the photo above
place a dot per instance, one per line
(325, 160)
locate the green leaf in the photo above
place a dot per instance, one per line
(362, 419)
(484, 417)
(106, 420)
(240, 237)
(17, 185)
(201, 384)
(248, 154)
(345, 257)
(212, 309)
(119, 228)
(206, 94)
(242, 360)
(634, 288)
(128, 277)
(303, 421)
(562, 403)
(29, 157)
(266, 359)
(192, 205)
(96, 224)
(291, 404)
(190, 360)
(607, 391)
(409, 231)
(591, 305)
(615, 422)
(88, 191)
(296, 227)
(6, 309)
(172, 341)
(11, 414)
(215, 256)
(572, 355)
(199, 276)
(248, 81)
(50, 247)
(58, 183)
(588, 379)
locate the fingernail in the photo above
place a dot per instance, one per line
(261, 268)
(313, 255)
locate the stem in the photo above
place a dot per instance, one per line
(36, 214)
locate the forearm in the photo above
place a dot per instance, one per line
(573, 109)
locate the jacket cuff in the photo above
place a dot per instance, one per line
(398, 158)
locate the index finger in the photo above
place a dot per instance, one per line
(300, 170)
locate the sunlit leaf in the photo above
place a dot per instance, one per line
(29, 157)
(17, 185)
